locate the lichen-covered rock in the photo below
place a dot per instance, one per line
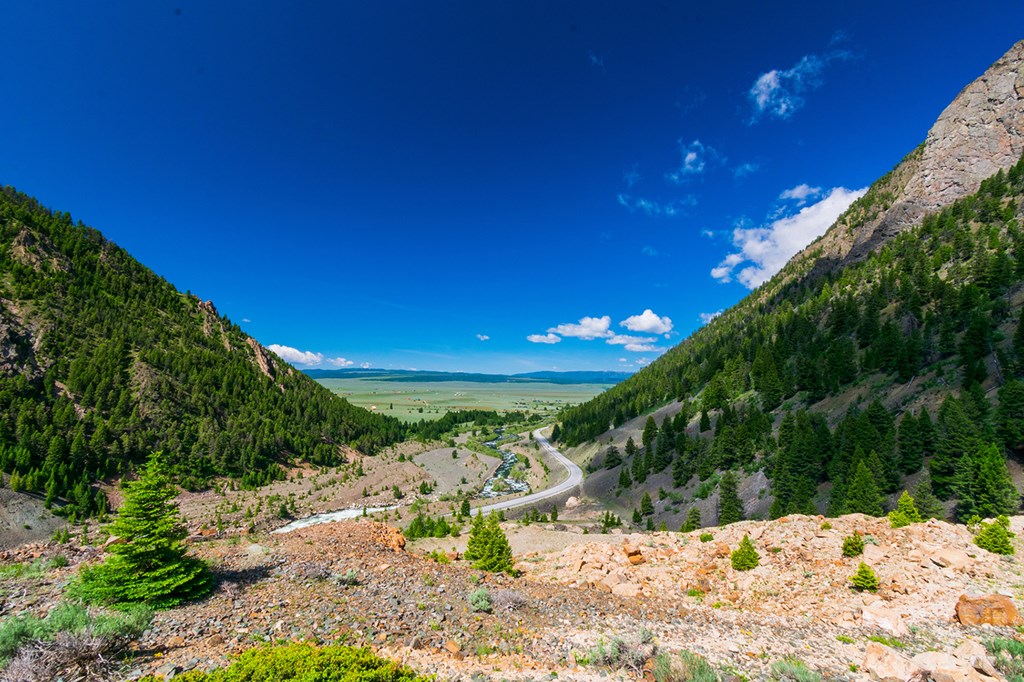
(991, 609)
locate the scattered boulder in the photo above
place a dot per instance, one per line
(991, 609)
(883, 663)
(877, 614)
(949, 557)
(634, 554)
(572, 503)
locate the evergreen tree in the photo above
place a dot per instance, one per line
(151, 565)
(464, 508)
(984, 486)
(908, 444)
(745, 557)
(495, 554)
(705, 421)
(646, 505)
(631, 449)
(625, 480)
(650, 432)
(730, 506)
(612, 458)
(929, 506)
(693, 520)
(905, 512)
(1010, 415)
(862, 495)
(476, 544)
(955, 438)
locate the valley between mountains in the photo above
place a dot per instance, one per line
(822, 483)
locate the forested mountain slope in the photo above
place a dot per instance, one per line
(844, 358)
(102, 361)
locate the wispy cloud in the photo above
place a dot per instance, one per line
(595, 59)
(696, 156)
(707, 317)
(800, 194)
(631, 177)
(648, 322)
(745, 169)
(483, 337)
(649, 251)
(779, 93)
(543, 338)
(339, 362)
(655, 208)
(766, 249)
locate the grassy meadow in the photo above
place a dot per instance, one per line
(413, 401)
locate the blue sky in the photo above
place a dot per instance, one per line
(466, 185)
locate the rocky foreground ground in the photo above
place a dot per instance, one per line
(355, 583)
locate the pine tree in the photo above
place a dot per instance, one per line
(151, 566)
(692, 522)
(745, 557)
(957, 437)
(476, 544)
(464, 508)
(908, 444)
(705, 421)
(864, 578)
(905, 513)
(862, 495)
(646, 505)
(929, 506)
(649, 434)
(730, 506)
(495, 552)
(984, 486)
(625, 480)
(631, 449)
(995, 537)
(612, 458)
(1010, 415)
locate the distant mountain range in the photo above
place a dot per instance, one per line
(418, 376)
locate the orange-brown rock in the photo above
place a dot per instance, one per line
(722, 550)
(993, 609)
(634, 554)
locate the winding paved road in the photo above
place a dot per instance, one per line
(575, 478)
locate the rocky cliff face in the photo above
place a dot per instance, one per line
(979, 133)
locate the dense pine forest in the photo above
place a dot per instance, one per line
(103, 362)
(854, 376)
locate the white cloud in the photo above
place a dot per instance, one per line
(655, 208)
(800, 194)
(768, 248)
(543, 338)
(339, 362)
(365, 365)
(779, 92)
(296, 356)
(707, 317)
(642, 348)
(246, 319)
(649, 251)
(745, 169)
(626, 340)
(695, 159)
(648, 322)
(587, 328)
(483, 337)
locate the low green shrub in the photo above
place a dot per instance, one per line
(306, 663)
(793, 670)
(995, 537)
(745, 557)
(853, 545)
(864, 578)
(684, 666)
(1008, 655)
(479, 600)
(706, 537)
